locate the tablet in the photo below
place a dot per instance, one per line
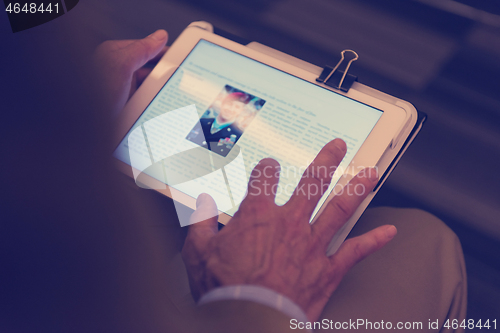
(213, 108)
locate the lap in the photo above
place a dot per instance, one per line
(419, 276)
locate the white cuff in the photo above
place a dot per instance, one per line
(257, 294)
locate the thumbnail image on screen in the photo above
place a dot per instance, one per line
(225, 120)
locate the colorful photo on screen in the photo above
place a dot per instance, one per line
(225, 120)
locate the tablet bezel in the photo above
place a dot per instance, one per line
(390, 127)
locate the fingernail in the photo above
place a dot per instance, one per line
(391, 231)
(158, 35)
(340, 144)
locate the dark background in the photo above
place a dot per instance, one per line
(442, 56)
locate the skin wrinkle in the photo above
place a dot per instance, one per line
(342, 207)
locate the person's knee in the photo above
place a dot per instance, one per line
(422, 237)
(420, 274)
(410, 222)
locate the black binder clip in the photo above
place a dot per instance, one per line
(337, 78)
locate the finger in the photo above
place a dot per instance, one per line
(116, 45)
(198, 237)
(203, 222)
(158, 56)
(356, 249)
(263, 183)
(317, 178)
(205, 215)
(143, 50)
(342, 206)
(104, 49)
(117, 62)
(141, 74)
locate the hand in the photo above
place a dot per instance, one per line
(276, 247)
(120, 64)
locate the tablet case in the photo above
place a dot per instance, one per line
(340, 79)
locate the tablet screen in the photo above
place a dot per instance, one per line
(220, 113)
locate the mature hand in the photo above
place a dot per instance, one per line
(275, 246)
(120, 64)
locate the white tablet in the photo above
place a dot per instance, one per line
(213, 108)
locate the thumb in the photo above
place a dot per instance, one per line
(143, 50)
(356, 249)
(203, 227)
(203, 222)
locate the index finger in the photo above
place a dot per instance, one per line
(316, 178)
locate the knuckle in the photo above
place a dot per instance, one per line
(339, 266)
(144, 45)
(295, 214)
(358, 251)
(251, 208)
(342, 207)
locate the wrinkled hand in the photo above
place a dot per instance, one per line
(120, 66)
(276, 247)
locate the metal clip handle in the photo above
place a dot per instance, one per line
(346, 69)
